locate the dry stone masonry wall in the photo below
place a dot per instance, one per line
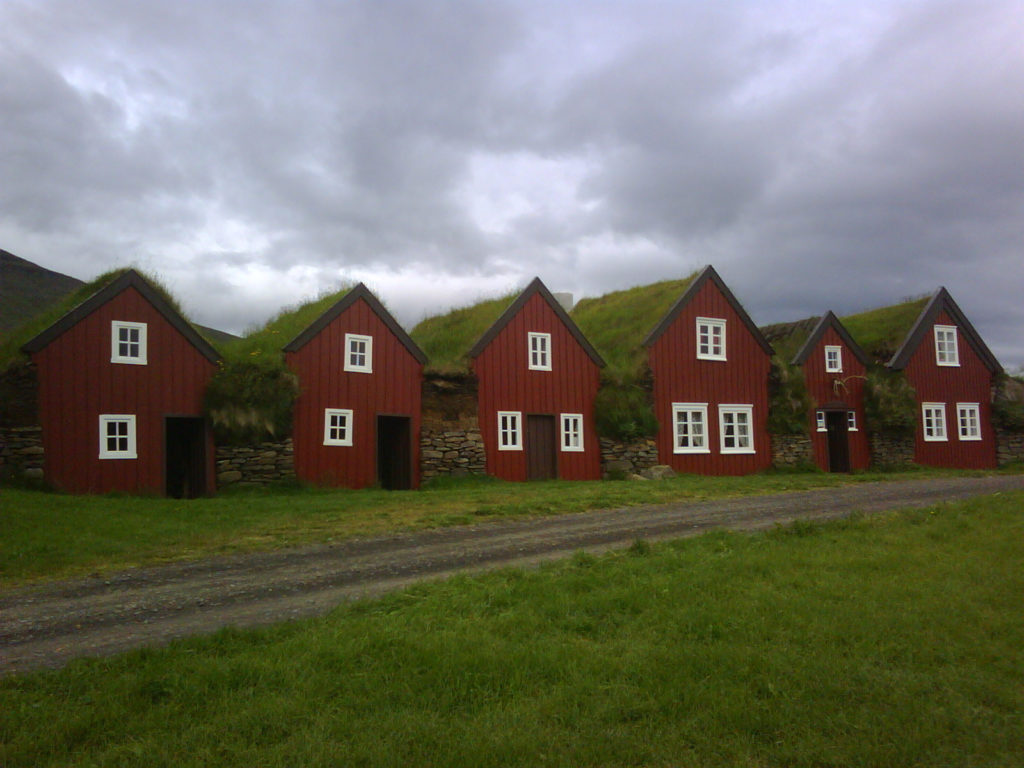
(451, 453)
(627, 459)
(891, 450)
(1009, 446)
(792, 450)
(256, 464)
(21, 451)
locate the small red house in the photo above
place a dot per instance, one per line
(537, 379)
(951, 369)
(835, 368)
(710, 366)
(121, 384)
(357, 417)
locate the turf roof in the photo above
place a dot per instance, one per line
(787, 338)
(446, 339)
(881, 332)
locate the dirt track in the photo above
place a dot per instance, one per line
(46, 626)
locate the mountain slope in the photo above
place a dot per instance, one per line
(26, 289)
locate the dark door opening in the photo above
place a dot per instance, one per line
(185, 453)
(541, 454)
(838, 441)
(394, 452)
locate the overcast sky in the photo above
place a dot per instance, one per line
(821, 155)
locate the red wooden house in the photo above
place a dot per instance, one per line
(357, 417)
(835, 368)
(537, 379)
(121, 384)
(710, 366)
(951, 369)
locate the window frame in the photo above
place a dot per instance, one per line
(515, 430)
(544, 351)
(346, 441)
(820, 421)
(131, 436)
(711, 323)
(367, 366)
(748, 412)
(571, 427)
(961, 408)
(851, 421)
(838, 350)
(690, 408)
(937, 421)
(116, 326)
(952, 352)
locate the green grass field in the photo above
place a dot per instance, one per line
(894, 640)
(49, 535)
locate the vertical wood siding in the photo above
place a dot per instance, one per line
(77, 383)
(820, 386)
(392, 389)
(507, 384)
(742, 379)
(970, 382)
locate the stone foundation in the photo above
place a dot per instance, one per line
(627, 459)
(1009, 446)
(255, 464)
(21, 451)
(891, 451)
(792, 450)
(451, 453)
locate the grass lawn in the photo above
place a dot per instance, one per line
(48, 535)
(894, 640)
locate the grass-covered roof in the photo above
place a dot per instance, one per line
(787, 338)
(881, 331)
(618, 322)
(446, 339)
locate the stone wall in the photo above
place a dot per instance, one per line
(792, 450)
(19, 396)
(255, 464)
(891, 450)
(627, 459)
(451, 453)
(1009, 446)
(21, 451)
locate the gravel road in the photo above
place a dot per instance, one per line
(46, 626)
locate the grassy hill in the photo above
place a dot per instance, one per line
(26, 289)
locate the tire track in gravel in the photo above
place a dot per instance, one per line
(46, 626)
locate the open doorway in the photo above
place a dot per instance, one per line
(394, 452)
(838, 441)
(185, 452)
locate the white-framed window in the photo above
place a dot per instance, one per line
(820, 421)
(934, 420)
(572, 432)
(690, 428)
(736, 430)
(337, 426)
(946, 350)
(117, 436)
(127, 342)
(851, 421)
(710, 338)
(358, 353)
(510, 433)
(968, 417)
(833, 359)
(539, 350)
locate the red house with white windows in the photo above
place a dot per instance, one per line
(951, 369)
(710, 366)
(835, 367)
(121, 384)
(537, 380)
(357, 417)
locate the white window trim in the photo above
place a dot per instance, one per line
(572, 424)
(516, 431)
(349, 365)
(701, 408)
(715, 322)
(544, 349)
(115, 351)
(955, 362)
(838, 368)
(821, 421)
(851, 421)
(112, 418)
(749, 411)
(941, 409)
(347, 413)
(960, 408)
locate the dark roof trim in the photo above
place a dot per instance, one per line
(346, 301)
(536, 286)
(129, 279)
(828, 320)
(942, 301)
(708, 273)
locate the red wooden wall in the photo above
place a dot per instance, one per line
(507, 384)
(742, 379)
(393, 389)
(820, 386)
(970, 382)
(77, 383)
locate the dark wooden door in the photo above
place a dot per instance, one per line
(394, 452)
(541, 445)
(185, 457)
(838, 441)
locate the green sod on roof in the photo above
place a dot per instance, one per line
(881, 331)
(446, 339)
